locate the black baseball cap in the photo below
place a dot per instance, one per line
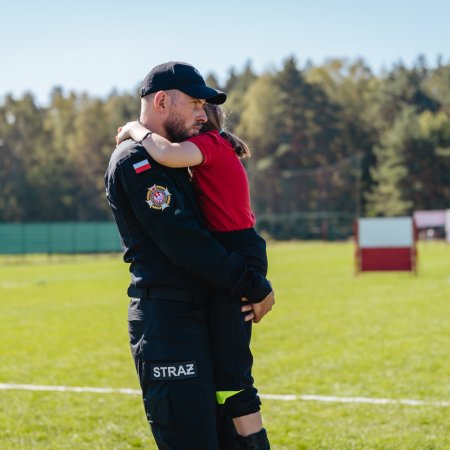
(181, 76)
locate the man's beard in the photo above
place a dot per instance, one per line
(175, 128)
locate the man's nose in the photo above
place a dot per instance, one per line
(202, 117)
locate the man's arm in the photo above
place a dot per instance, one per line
(164, 213)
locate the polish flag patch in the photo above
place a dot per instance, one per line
(142, 166)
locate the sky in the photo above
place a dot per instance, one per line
(98, 46)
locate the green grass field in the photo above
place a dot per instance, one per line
(377, 335)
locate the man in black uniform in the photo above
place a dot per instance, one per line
(175, 263)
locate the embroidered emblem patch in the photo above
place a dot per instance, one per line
(175, 370)
(158, 197)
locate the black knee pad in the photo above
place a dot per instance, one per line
(243, 403)
(256, 441)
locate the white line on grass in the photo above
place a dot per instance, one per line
(316, 398)
(373, 401)
(35, 387)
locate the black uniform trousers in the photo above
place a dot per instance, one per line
(170, 346)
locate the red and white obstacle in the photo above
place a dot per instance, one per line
(384, 244)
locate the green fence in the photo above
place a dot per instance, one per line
(59, 237)
(321, 225)
(101, 237)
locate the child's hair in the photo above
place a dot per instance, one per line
(216, 121)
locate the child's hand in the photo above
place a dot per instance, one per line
(133, 130)
(122, 134)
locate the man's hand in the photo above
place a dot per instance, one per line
(248, 307)
(262, 308)
(258, 310)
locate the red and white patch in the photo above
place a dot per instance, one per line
(158, 197)
(142, 166)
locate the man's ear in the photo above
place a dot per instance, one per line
(160, 101)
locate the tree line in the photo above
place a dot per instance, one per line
(330, 138)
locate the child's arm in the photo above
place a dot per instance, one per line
(183, 154)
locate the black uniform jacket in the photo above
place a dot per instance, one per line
(160, 226)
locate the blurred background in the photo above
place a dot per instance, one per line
(346, 107)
